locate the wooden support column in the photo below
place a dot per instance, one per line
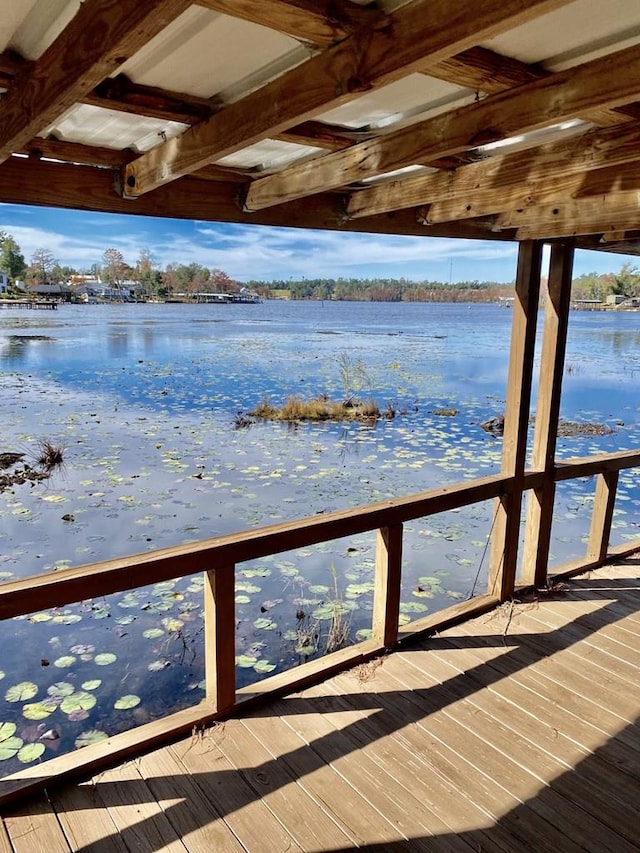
(506, 527)
(603, 505)
(554, 343)
(386, 596)
(219, 637)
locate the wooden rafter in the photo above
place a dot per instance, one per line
(39, 182)
(316, 21)
(607, 81)
(491, 73)
(96, 42)
(613, 212)
(485, 187)
(422, 29)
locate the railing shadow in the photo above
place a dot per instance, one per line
(384, 713)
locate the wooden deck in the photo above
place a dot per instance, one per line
(516, 731)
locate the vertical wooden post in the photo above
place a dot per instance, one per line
(506, 527)
(603, 504)
(554, 343)
(386, 595)
(219, 637)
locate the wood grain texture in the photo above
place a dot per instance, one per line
(608, 81)
(423, 28)
(98, 40)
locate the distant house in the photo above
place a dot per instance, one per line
(59, 292)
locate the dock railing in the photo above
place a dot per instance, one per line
(218, 558)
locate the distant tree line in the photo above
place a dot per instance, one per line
(382, 290)
(154, 282)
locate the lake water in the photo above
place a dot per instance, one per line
(144, 400)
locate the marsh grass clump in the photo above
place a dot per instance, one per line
(50, 455)
(320, 408)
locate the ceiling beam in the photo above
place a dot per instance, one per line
(423, 28)
(607, 81)
(318, 22)
(113, 158)
(472, 190)
(611, 212)
(491, 73)
(95, 43)
(543, 191)
(43, 183)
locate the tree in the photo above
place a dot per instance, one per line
(12, 261)
(42, 264)
(113, 266)
(222, 282)
(627, 281)
(147, 274)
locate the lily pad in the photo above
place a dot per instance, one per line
(105, 658)
(263, 666)
(153, 633)
(9, 747)
(30, 752)
(21, 692)
(90, 737)
(38, 710)
(61, 688)
(65, 661)
(91, 685)
(80, 701)
(246, 661)
(124, 703)
(264, 624)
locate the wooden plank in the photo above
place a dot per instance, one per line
(506, 527)
(472, 186)
(602, 516)
(299, 813)
(388, 576)
(102, 578)
(562, 96)
(251, 821)
(478, 770)
(100, 38)
(533, 196)
(140, 820)
(34, 828)
(394, 789)
(84, 188)
(364, 60)
(568, 469)
(315, 21)
(566, 802)
(356, 816)
(85, 822)
(580, 780)
(490, 72)
(447, 617)
(220, 637)
(554, 341)
(191, 814)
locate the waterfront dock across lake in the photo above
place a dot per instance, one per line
(40, 304)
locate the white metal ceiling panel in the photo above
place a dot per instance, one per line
(203, 53)
(270, 154)
(416, 96)
(42, 22)
(573, 34)
(97, 126)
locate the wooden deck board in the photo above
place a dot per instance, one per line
(513, 732)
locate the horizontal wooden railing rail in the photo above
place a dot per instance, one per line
(217, 559)
(55, 589)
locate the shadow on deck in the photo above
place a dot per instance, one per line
(516, 731)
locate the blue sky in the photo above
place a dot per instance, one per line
(255, 252)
